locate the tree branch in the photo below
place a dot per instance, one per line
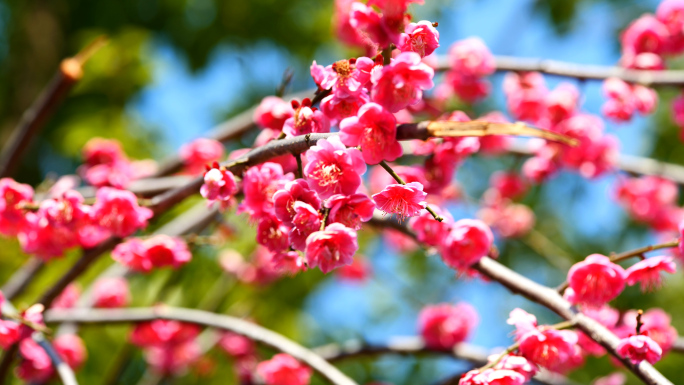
(69, 72)
(673, 78)
(224, 322)
(631, 164)
(414, 346)
(549, 298)
(62, 368)
(22, 277)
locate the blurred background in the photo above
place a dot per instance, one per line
(175, 68)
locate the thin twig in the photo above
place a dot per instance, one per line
(399, 180)
(199, 317)
(63, 370)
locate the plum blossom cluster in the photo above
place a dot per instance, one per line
(105, 164)
(199, 153)
(36, 366)
(281, 369)
(470, 62)
(107, 292)
(651, 200)
(529, 100)
(169, 346)
(597, 280)
(154, 252)
(61, 222)
(445, 325)
(646, 44)
(499, 210)
(360, 24)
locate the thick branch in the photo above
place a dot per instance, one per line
(69, 72)
(673, 78)
(224, 322)
(549, 298)
(414, 346)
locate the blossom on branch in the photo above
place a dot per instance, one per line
(639, 348)
(596, 280)
(405, 200)
(401, 83)
(375, 131)
(283, 369)
(334, 169)
(332, 247)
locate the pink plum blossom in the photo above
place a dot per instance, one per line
(468, 241)
(306, 221)
(645, 34)
(219, 185)
(550, 348)
(374, 130)
(401, 83)
(285, 198)
(157, 251)
(117, 211)
(350, 210)
(333, 169)
(259, 183)
(272, 233)
(199, 153)
(105, 164)
(358, 271)
(337, 108)
(169, 346)
(12, 196)
(428, 230)
(443, 326)
(111, 292)
(639, 348)
(346, 78)
(492, 377)
(272, 113)
(71, 349)
(656, 324)
(420, 37)
(405, 200)
(471, 57)
(647, 272)
(9, 333)
(517, 364)
(283, 369)
(372, 25)
(671, 14)
(596, 280)
(67, 299)
(333, 247)
(306, 120)
(35, 365)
